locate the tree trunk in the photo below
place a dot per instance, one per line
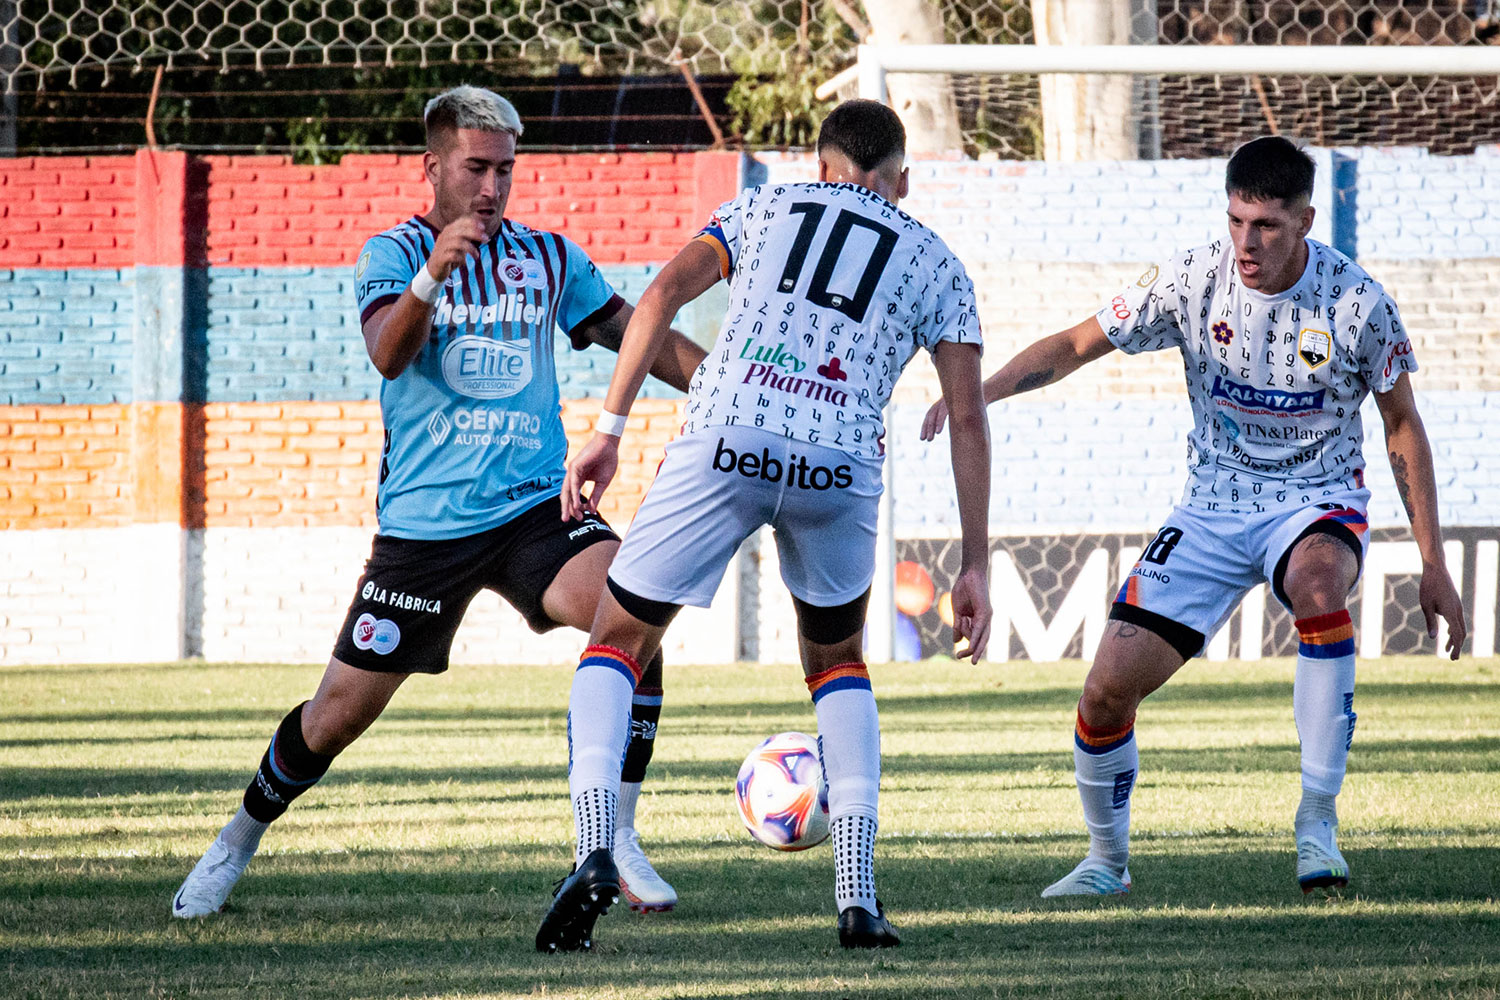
(923, 100)
(1095, 117)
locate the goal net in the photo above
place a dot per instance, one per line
(1109, 102)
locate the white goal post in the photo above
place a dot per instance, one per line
(876, 61)
(1148, 101)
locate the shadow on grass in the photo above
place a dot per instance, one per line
(1474, 754)
(1215, 697)
(756, 924)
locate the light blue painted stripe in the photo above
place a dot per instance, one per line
(66, 336)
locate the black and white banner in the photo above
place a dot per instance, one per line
(1052, 595)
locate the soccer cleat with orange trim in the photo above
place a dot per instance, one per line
(643, 889)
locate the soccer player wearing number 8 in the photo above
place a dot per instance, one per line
(832, 290)
(1282, 338)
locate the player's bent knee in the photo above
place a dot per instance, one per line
(1108, 703)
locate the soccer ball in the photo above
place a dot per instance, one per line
(781, 793)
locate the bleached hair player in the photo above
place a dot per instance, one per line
(832, 290)
(459, 513)
(1281, 337)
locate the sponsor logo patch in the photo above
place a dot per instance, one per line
(795, 469)
(438, 428)
(1251, 399)
(1148, 279)
(1313, 347)
(487, 369)
(380, 634)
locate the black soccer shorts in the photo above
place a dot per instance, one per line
(414, 592)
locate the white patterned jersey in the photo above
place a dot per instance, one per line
(832, 289)
(1275, 381)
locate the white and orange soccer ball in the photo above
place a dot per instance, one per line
(781, 794)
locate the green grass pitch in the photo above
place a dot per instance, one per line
(420, 866)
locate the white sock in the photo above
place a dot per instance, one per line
(1317, 817)
(849, 746)
(630, 794)
(1105, 766)
(598, 732)
(1323, 700)
(854, 862)
(243, 833)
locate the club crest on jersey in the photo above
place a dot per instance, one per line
(1313, 347)
(487, 369)
(525, 273)
(1223, 333)
(364, 262)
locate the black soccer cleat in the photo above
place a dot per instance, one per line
(579, 900)
(859, 928)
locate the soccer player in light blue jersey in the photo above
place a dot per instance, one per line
(458, 309)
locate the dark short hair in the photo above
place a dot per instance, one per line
(1270, 167)
(867, 132)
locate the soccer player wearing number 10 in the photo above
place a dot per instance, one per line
(1282, 338)
(832, 290)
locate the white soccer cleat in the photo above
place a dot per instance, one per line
(1320, 866)
(1092, 877)
(209, 883)
(643, 889)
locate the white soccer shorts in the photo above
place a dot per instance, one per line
(718, 485)
(1201, 563)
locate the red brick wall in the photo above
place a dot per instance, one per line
(75, 211)
(620, 207)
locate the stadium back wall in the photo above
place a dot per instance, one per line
(189, 429)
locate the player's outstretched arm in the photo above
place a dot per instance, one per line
(958, 373)
(693, 271)
(1411, 464)
(1046, 361)
(676, 361)
(395, 334)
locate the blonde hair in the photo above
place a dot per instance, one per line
(470, 107)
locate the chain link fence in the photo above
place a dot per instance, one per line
(319, 77)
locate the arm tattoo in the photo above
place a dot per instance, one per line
(1034, 380)
(1403, 485)
(1123, 630)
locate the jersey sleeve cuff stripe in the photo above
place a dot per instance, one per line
(716, 240)
(579, 337)
(375, 305)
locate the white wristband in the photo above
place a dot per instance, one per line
(612, 424)
(425, 287)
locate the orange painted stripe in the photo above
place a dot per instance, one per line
(242, 464)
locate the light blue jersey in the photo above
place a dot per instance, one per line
(473, 426)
